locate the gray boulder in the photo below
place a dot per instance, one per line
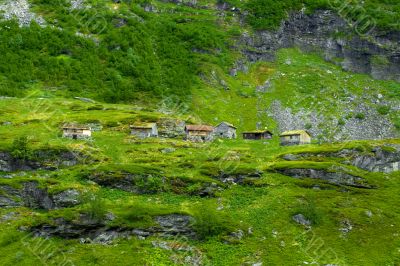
(67, 198)
(35, 197)
(301, 219)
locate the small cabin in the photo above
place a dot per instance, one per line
(144, 130)
(199, 133)
(295, 137)
(76, 131)
(258, 135)
(225, 130)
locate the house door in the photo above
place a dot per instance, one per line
(74, 136)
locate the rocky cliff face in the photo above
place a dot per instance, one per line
(42, 159)
(89, 230)
(326, 127)
(31, 195)
(377, 54)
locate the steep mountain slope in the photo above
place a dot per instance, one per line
(148, 51)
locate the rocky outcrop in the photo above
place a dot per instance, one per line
(31, 195)
(136, 183)
(171, 128)
(20, 10)
(41, 159)
(337, 177)
(379, 159)
(89, 230)
(327, 127)
(239, 178)
(35, 197)
(301, 219)
(66, 198)
(10, 196)
(328, 34)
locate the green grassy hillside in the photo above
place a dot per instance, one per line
(261, 207)
(109, 64)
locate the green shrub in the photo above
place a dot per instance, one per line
(383, 109)
(95, 206)
(20, 149)
(349, 116)
(209, 222)
(341, 122)
(397, 123)
(150, 184)
(310, 212)
(360, 116)
(138, 213)
(95, 107)
(112, 124)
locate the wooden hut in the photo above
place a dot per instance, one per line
(225, 130)
(257, 135)
(199, 133)
(74, 131)
(144, 130)
(295, 137)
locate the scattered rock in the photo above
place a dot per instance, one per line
(20, 10)
(290, 157)
(175, 224)
(90, 230)
(238, 235)
(8, 202)
(35, 197)
(78, 4)
(67, 198)
(368, 213)
(87, 100)
(168, 150)
(301, 219)
(9, 216)
(239, 178)
(346, 226)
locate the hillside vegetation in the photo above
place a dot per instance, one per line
(248, 222)
(115, 199)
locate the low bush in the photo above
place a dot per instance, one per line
(208, 222)
(310, 212)
(360, 116)
(20, 149)
(95, 206)
(383, 109)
